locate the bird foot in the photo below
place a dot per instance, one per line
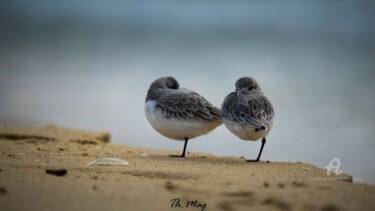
(177, 156)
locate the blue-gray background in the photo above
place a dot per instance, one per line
(89, 64)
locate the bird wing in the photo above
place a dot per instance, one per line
(188, 105)
(250, 111)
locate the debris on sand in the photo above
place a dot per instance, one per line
(57, 172)
(108, 162)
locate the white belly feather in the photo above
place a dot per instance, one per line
(246, 133)
(174, 128)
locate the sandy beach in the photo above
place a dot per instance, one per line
(154, 181)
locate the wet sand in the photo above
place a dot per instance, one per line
(154, 181)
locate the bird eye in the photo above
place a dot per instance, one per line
(250, 88)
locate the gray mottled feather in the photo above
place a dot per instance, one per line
(186, 104)
(251, 110)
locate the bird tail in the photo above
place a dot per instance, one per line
(260, 128)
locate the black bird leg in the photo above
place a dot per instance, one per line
(183, 153)
(260, 153)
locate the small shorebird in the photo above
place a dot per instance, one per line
(247, 113)
(179, 113)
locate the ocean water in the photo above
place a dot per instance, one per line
(89, 66)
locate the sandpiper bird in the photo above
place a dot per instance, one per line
(179, 113)
(247, 113)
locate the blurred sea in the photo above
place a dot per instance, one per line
(89, 65)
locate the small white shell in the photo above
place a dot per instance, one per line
(108, 162)
(144, 155)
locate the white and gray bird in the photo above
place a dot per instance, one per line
(247, 113)
(179, 113)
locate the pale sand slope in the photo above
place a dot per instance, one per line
(152, 180)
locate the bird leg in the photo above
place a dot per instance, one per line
(260, 152)
(183, 152)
